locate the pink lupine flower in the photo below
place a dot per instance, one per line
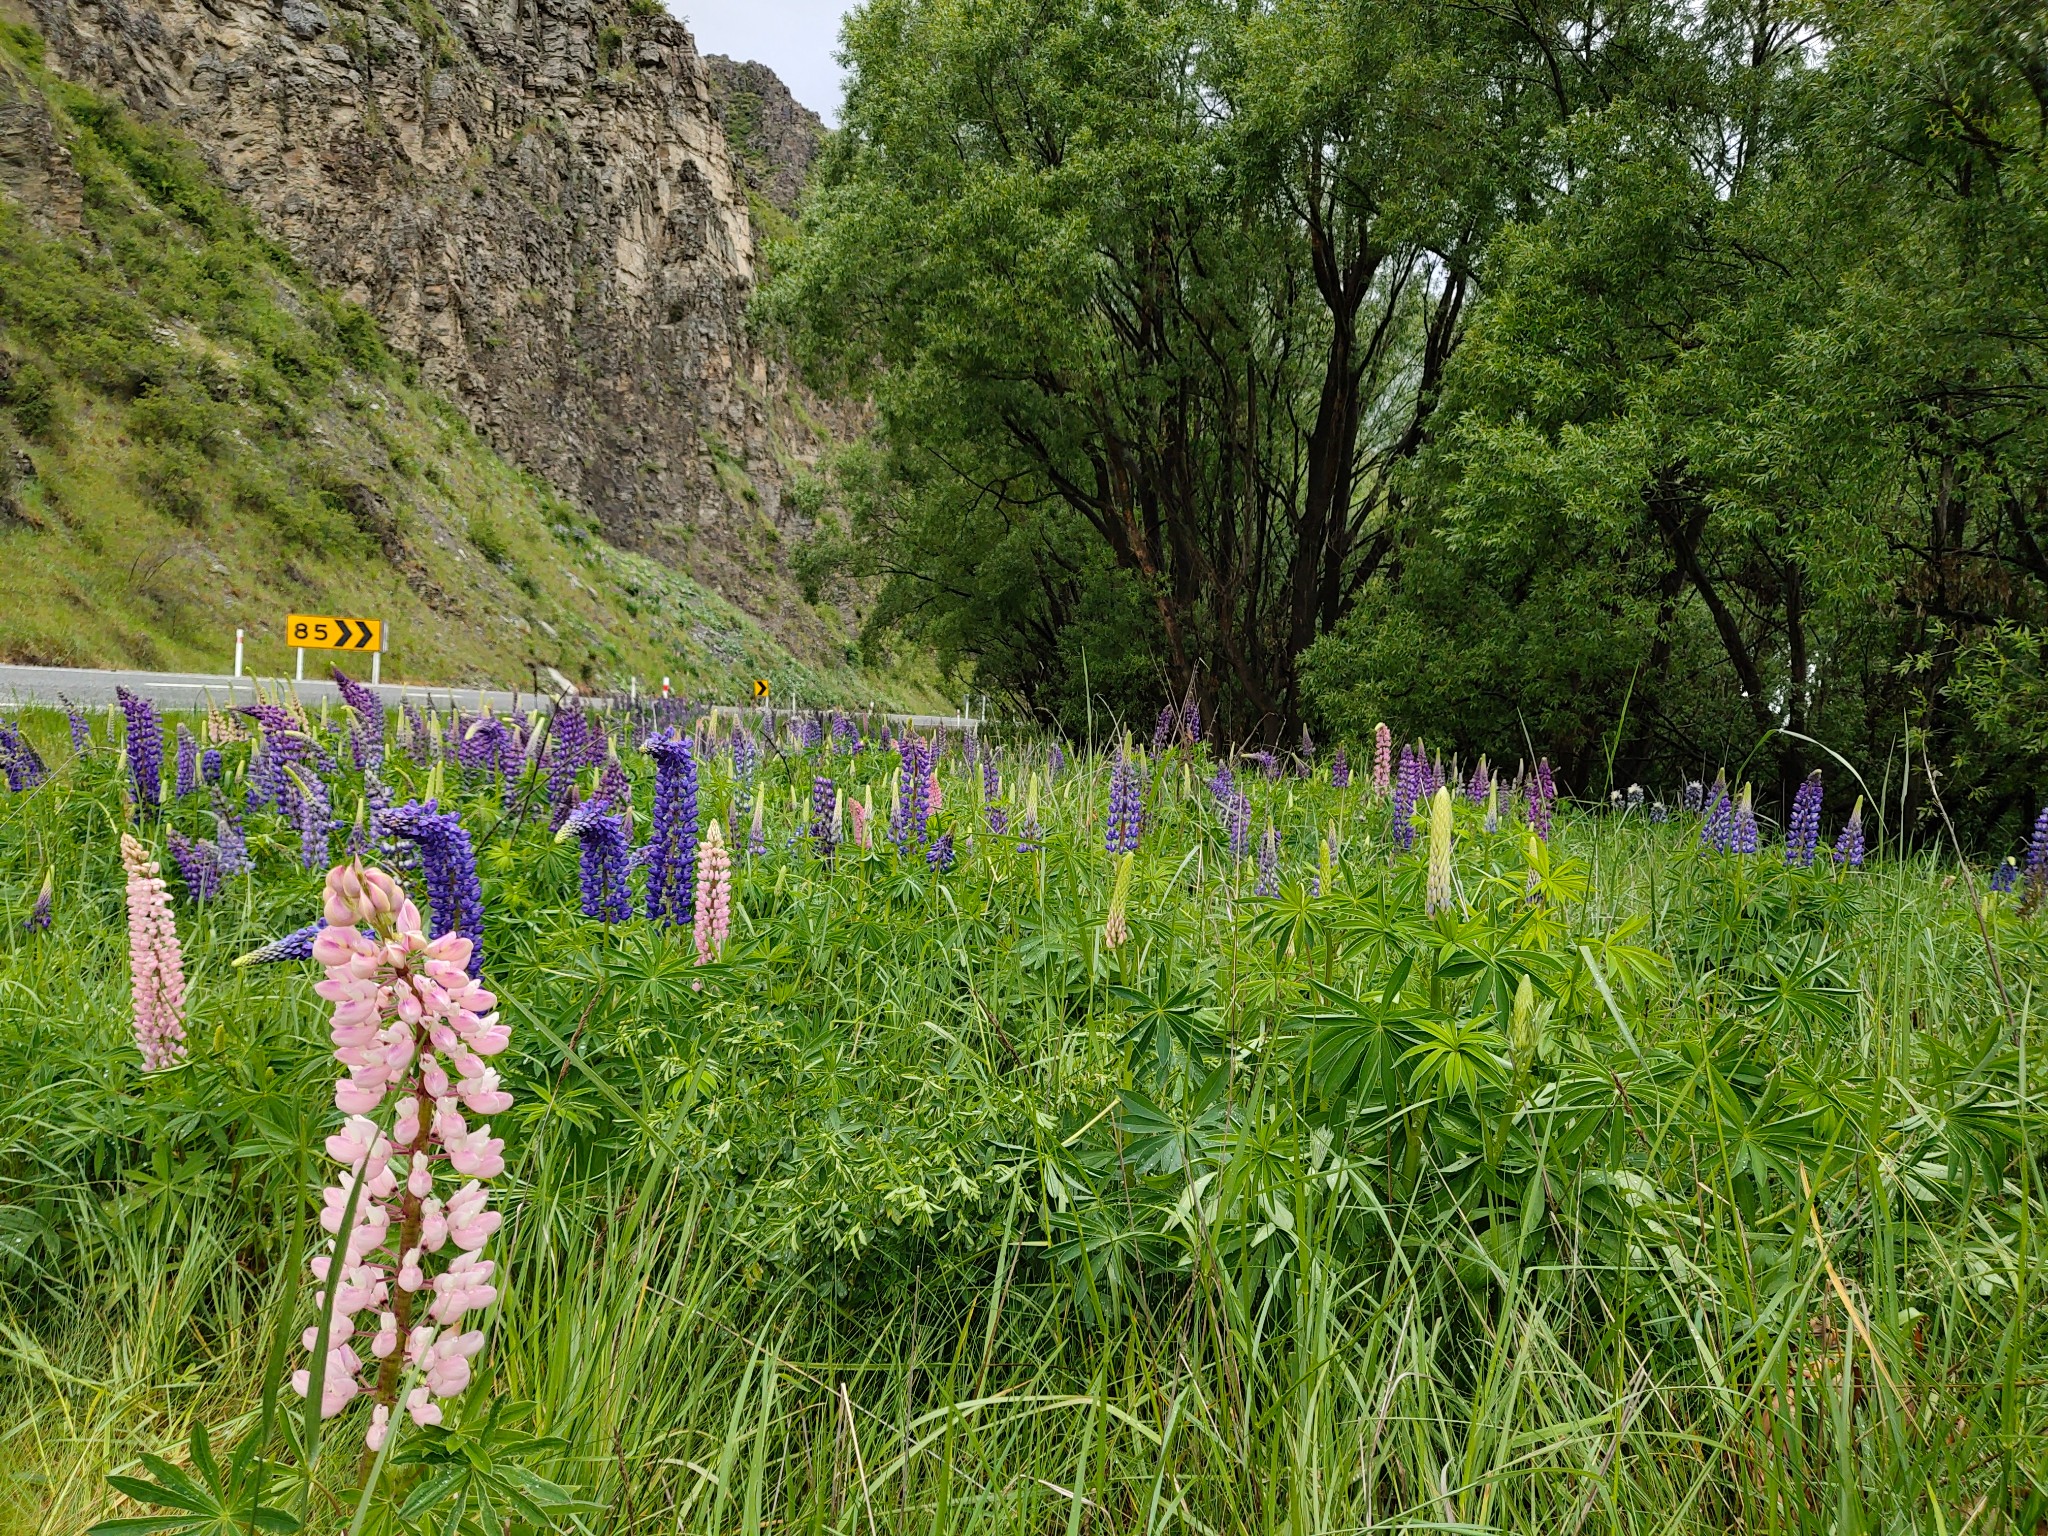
(409, 1021)
(714, 896)
(861, 835)
(1382, 759)
(155, 962)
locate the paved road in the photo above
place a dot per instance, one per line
(196, 690)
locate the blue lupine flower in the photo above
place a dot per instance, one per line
(1407, 791)
(81, 727)
(1268, 881)
(198, 862)
(2037, 860)
(991, 780)
(1238, 821)
(2007, 876)
(910, 820)
(1480, 782)
(210, 766)
(185, 776)
(1191, 722)
(1340, 770)
(38, 919)
(145, 748)
(1716, 832)
(366, 737)
(455, 898)
(1743, 836)
(603, 861)
(1849, 846)
(1693, 798)
(940, 855)
(671, 854)
(1163, 731)
(314, 813)
(1126, 809)
(296, 945)
(228, 838)
(824, 801)
(19, 760)
(1802, 831)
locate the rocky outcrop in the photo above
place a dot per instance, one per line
(536, 200)
(773, 136)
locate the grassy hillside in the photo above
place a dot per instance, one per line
(194, 436)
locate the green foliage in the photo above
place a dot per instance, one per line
(922, 1196)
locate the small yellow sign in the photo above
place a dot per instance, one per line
(319, 632)
(760, 687)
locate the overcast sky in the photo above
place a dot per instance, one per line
(795, 38)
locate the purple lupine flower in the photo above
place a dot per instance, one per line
(570, 728)
(19, 759)
(229, 839)
(1407, 791)
(746, 754)
(210, 766)
(909, 822)
(1539, 807)
(81, 728)
(1802, 831)
(1163, 731)
(419, 740)
(1126, 809)
(845, 734)
(2037, 859)
(1191, 723)
(38, 919)
(366, 735)
(1269, 765)
(1659, 813)
(1743, 836)
(455, 897)
(1544, 782)
(824, 800)
(940, 855)
(809, 734)
(991, 779)
(312, 811)
(1220, 786)
(185, 775)
(1268, 881)
(1717, 831)
(198, 862)
(1480, 782)
(672, 838)
(296, 945)
(1635, 797)
(1237, 821)
(1693, 798)
(1849, 846)
(2007, 876)
(1055, 761)
(1340, 769)
(602, 862)
(998, 818)
(145, 748)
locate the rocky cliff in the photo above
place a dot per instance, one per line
(536, 200)
(773, 136)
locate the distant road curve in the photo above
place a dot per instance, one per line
(196, 690)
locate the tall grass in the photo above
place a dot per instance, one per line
(930, 1213)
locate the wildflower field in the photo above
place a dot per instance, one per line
(751, 1124)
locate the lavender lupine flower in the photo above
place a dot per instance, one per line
(1269, 765)
(1163, 731)
(1340, 770)
(455, 897)
(1382, 759)
(1407, 791)
(1268, 881)
(2007, 876)
(1055, 761)
(998, 818)
(1693, 798)
(1544, 782)
(746, 754)
(230, 842)
(2037, 858)
(210, 766)
(940, 855)
(604, 855)
(1802, 831)
(145, 748)
(1220, 787)
(1717, 831)
(419, 740)
(991, 777)
(1539, 809)
(1477, 786)
(909, 823)
(185, 773)
(19, 760)
(1126, 809)
(1191, 723)
(366, 733)
(824, 803)
(672, 844)
(81, 728)
(38, 919)
(314, 814)
(1743, 836)
(1238, 821)
(198, 862)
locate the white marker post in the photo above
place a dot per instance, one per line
(302, 665)
(238, 653)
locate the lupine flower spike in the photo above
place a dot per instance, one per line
(1340, 770)
(1802, 832)
(714, 895)
(38, 919)
(1438, 897)
(1849, 846)
(1116, 928)
(1742, 836)
(1382, 758)
(2037, 861)
(1492, 823)
(410, 1024)
(156, 964)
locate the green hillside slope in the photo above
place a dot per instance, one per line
(194, 436)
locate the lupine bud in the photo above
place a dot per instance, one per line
(1438, 895)
(1849, 846)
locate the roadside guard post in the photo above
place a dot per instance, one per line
(323, 632)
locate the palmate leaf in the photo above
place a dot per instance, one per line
(1352, 1040)
(1800, 988)
(1167, 1023)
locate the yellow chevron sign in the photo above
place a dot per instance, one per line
(760, 687)
(318, 632)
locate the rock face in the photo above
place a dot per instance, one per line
(773, 136)
(534, 197)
